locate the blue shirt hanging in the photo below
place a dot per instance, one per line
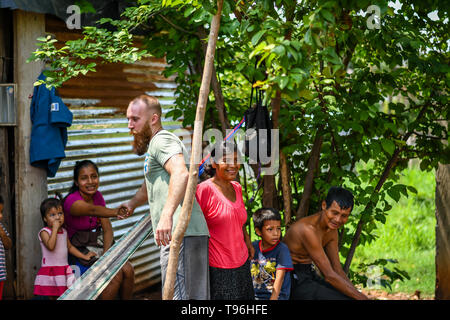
(50, 118)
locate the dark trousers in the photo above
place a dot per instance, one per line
(308, 285)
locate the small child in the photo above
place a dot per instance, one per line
(272, 263)
(5, 243)
(55, 274)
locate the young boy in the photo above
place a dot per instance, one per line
(5, 243)
(271, 264)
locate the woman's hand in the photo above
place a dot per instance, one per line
(90, 255)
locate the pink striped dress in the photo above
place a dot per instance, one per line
(55, 274)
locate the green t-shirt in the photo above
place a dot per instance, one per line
(162, 147)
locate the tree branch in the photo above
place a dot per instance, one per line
(387, 170)
(176, 26)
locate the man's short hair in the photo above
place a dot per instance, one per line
(343, 197)
(150, 102)
(265, 214)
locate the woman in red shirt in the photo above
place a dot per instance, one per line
(220, 199)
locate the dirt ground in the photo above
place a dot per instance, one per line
(383, 295)
(154, 293)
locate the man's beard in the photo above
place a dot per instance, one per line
(141, 140)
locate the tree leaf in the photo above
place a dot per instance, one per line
(257, 36)
(388, 146)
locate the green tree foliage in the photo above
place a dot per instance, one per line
(358, 87)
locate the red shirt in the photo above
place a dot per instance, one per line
(225, 220)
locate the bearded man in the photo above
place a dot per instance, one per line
(166, 175)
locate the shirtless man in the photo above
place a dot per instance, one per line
(314, 239)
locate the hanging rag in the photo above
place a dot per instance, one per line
(50, 118)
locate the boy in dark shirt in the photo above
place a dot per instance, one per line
(271, 264)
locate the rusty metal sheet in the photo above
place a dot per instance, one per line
(99, 132)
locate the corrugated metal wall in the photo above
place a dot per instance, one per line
(99, 132)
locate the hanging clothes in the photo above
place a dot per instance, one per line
(50, 118)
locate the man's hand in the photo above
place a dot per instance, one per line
(125, 210)
(163, 234)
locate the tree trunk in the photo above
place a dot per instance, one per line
(286, 188)
(217, 89)
(196, 154)
(269, 186)
(391, 163)
(309, 180)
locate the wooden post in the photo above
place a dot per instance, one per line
(188, 202)
(31, 182)
(442, 259)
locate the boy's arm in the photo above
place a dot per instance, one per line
(279, 278)
(7, 242)
(314, 247)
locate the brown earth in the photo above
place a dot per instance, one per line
(383, 295)
(154, 293)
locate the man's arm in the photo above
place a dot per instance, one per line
(332, 251)
(139, 199)
(179, 175)
(314, 247)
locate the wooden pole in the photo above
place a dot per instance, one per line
(31, 182)
(196, 154)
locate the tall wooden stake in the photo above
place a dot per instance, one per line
(196, 154)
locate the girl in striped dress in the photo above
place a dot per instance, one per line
(55, 274)
(5, 243)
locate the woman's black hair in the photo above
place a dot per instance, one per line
(49, 203)
(76, 173)
(219, 150)
(265, 214)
